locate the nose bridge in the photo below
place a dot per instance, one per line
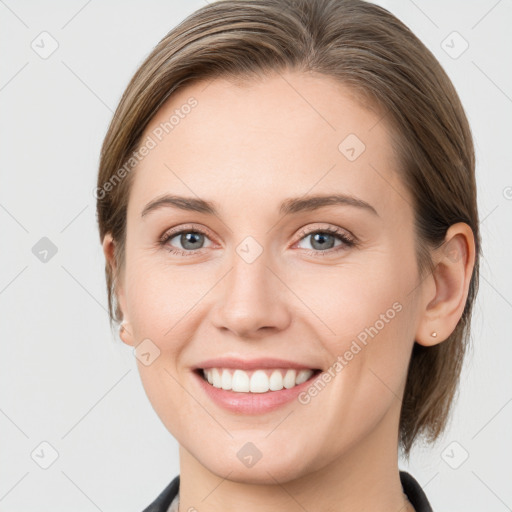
(249, 279)
(251, 298)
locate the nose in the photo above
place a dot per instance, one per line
(252, 300)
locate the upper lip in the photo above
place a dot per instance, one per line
(251, 364)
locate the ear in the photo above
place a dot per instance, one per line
(446, 289)
(125, 331)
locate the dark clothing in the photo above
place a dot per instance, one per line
(410, 486)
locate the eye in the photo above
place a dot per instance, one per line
(323, 240)
(190, 239)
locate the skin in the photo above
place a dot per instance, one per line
(248, 147)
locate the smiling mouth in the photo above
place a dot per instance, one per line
(256, 381)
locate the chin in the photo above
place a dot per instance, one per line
(266, 470)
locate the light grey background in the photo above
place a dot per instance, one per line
(66, 381)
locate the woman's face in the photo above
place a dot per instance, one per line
(252, 281)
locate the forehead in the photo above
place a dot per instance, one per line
(267, 139)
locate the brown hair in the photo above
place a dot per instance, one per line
(367, 48)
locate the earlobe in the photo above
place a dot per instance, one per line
(125, 334)
(446, 296)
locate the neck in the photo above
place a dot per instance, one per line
(364, 477)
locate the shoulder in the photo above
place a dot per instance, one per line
(164, 499)
(415, 493)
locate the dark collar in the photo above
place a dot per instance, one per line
(415, 493)
(410, 486)
(163, 502)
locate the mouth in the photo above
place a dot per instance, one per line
(263, 380)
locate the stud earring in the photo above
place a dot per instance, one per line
(434, 334)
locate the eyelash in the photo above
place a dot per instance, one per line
(348, 241)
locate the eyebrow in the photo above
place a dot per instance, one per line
(288, 206)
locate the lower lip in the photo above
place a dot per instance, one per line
(252, 403)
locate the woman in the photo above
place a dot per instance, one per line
(287, 207)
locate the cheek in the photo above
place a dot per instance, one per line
(161, 309)
(164, 305)
(370, 314)
(161, 299)
(352, 301)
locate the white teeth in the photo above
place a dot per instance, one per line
(240, 381)
(303, 376)
(289, 379)
(217, 381)
(276, 381)
(260, 381)
(226, 380)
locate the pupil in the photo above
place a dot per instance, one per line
(191, 238)
(320, 238)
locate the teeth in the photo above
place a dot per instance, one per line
(257, 381)
(303, 376)
(240, 381)
(275, 381)
(289, 379)
(226, 380)
(216, 379)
